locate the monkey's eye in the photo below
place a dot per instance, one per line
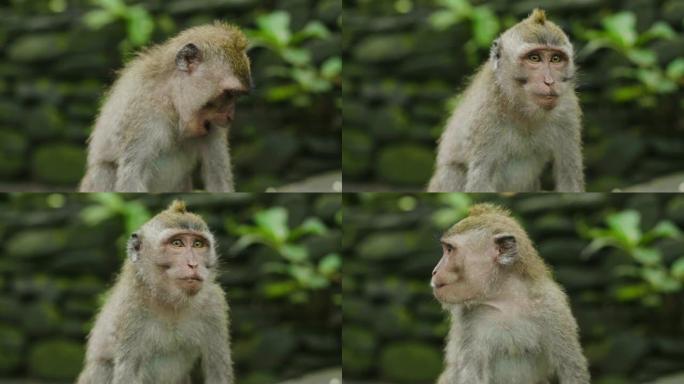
(198, 244)
(448, 248)
(556, 58)
(534, 57)
(177, 243)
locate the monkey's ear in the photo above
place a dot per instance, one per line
(495, 52)
(507, 248)
(188, 58)
(133, 247)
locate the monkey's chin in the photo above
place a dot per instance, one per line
(190, 286)
(546, 102)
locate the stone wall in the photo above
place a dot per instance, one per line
(394, 329)
(54, 269)
(401, 74)
(54, 71)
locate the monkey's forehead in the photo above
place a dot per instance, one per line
(529, 34)
(184, 221)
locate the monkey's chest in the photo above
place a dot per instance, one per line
(170, 354)
(171, 170)
(520, 173)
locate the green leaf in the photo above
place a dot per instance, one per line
(675, 69)
(459, 7)
(627, 93)
(659, 30)
(276, 27)
(96, 214)
(312, 226)
(625, 225)
(485, 26)
(295, 253)
(330, 264)
(677, 269)
(279, 289)
(441, 20)
(117, 7)
(646, 256)
(313, 29)
(632, 292)
(98, 18)
(642, 57)
(664, 229)
(296, 56)
(274, 220)
(331, 68)
(621, 28)
(140, 25)
(660, 280)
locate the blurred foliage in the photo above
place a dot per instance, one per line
(483, 21)
(653, 277)
(59, 253)
(620, 34)
(303, 274)
(406, 62)
(61, 56)
(303, 78)
(139, 22)
(392, 323)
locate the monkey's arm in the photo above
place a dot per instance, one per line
(568, 167)
(480, 176)
(217, 172)
(216, 358)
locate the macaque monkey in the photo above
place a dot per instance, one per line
(519, 113)
(165, 313)
(510, 322)
(169, 110)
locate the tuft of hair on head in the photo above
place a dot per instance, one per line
(538, 16)
(177, 206)
(488, 209)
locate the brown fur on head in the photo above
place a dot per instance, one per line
(495, 220)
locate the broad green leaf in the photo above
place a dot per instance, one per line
(646, 256)
(330, 264)
(140, 25)
(631, 292)
(117, 7)
(295, 253)
(296, 56)
(664, 229)
(621, 28)
(96, 214)
(659, 30)
(675, 70)
(459, 7)
(314, 29)
(485, 26)
(642, 57)
(275, 221)
(678, 269)
(98, 18)
(313, 226)
(660, 280)
(444, 19)
(332, 67)
(276, 26)
(625, 225)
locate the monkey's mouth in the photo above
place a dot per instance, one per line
(192, 279)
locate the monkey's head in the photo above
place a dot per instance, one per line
(533, 61)
(479, 253)
(173, 254)
(210, 70)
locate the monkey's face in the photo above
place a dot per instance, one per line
(217, 113)
(206, 86)
(465, 268)
(183, 260)
(545, 74)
